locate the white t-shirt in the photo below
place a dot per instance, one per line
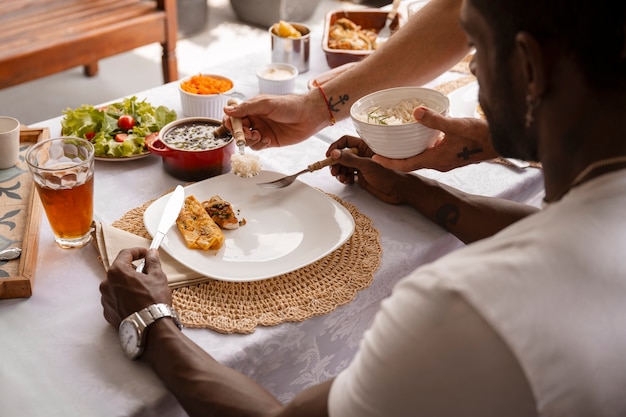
(529, 322)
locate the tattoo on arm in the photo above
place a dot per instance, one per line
(340, 100)
(447, 215)
(466, 152)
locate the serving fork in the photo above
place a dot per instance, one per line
(385, 31)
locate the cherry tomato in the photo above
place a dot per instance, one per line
(90, 135)
(126, 122)
(121, 137)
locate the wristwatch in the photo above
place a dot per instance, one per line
(132, 330)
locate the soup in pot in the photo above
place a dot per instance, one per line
(194, 137)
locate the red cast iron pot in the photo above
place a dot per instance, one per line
(192, 165)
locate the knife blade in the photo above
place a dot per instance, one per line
(168, 218)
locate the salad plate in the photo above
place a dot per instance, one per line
(117, 130)
(285, 229)
(122, 158)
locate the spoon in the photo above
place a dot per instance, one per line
(10, 254)
(240, 138)
(242, 165)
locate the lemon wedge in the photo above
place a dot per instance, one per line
(286, 30)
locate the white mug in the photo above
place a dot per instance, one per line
(9, 141)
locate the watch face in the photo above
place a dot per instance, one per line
(129, 338)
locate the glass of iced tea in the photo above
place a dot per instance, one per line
(63, 171)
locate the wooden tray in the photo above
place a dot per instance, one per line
(22, 208)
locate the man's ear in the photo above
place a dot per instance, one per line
(533, 64)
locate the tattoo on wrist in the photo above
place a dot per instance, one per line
(466, 152)
(447, 215)
(340, 100)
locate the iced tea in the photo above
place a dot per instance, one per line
(63, 172)
(68, 210)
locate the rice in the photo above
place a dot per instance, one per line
(399, 114)
(246, 165)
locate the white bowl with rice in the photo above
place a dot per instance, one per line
(384, 120)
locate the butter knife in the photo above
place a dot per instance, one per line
(168, 218)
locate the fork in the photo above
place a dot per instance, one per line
(287, 181)
(385, 32)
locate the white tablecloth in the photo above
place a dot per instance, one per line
(59, 357)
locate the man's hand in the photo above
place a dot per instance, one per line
(464, 141)
(126, 291)
(386, 184)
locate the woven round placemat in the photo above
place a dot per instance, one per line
(316, 289)
(449, 86)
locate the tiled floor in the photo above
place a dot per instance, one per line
(225, 37)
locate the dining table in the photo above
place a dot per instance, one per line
(60, 357)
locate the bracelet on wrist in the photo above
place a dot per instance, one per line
(330, 110)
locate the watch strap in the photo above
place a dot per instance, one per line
(157, 311)
(134, 342)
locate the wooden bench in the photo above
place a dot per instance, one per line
(43, 37)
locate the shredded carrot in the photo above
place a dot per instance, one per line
(205, 84)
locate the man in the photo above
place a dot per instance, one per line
(526, 322)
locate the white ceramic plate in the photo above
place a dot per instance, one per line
(464, 100)
(286, 229)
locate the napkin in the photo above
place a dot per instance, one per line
(109, 241)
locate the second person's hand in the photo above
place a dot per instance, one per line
(272, 121)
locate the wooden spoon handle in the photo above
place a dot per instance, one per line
(240, 138)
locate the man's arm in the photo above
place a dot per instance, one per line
(205, 387)
(202, 386)
(469, 217)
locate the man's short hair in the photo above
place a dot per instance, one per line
(593, 32)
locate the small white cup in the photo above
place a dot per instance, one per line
(9, 142)
(206, 105)
(277, 78)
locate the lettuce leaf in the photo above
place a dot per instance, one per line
(88, 120)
